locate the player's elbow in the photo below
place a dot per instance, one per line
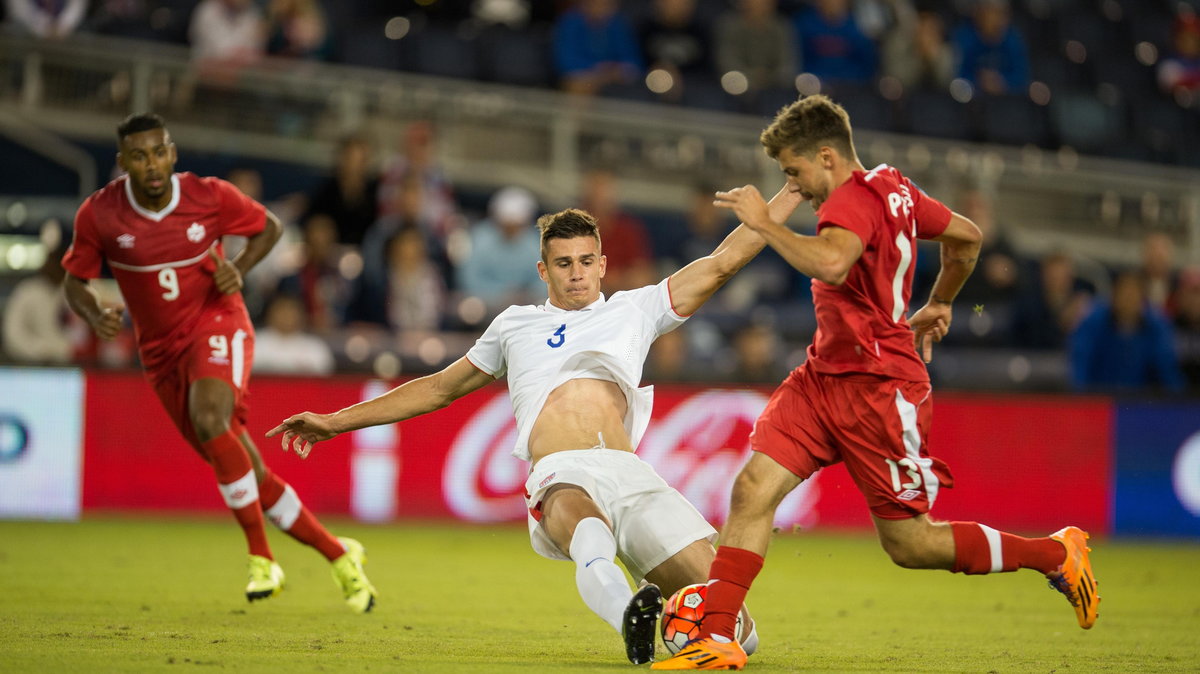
(833, 271)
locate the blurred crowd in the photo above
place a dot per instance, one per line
(387, 265)
(1111, 77)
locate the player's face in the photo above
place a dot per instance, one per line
(810, 175)
(149, 159)
(572, 271)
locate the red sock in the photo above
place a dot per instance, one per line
(235, 479)
(981, 549)
(283, 507)
(730, 577)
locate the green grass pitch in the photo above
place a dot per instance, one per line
(135, 594)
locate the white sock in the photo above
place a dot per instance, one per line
(751, 643)
(601, 582)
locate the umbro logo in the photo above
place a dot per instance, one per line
(125, 241)
(547, 480)
(908, 494)
(195, 232)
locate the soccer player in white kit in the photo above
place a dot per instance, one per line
(574, 365)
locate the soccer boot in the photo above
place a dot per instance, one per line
(706, 653)
(266, 578)
(1075, 578)
(639, 627)
(349, 575)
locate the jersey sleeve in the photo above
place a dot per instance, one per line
(932, 216)
(238, 213)
(848, 211)
(488, 352)
(655, 302)
(83, 259)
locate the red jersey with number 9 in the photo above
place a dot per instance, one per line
(862, 325)
(161, 259)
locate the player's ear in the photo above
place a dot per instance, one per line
(541, 267)
(603, 265)
(121, 162)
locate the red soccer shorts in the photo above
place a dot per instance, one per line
(221, 347)
(877, 426)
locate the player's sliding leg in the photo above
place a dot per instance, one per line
(286, 511)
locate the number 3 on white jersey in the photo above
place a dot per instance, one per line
(168, 279)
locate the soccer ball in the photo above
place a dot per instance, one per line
(682, 614)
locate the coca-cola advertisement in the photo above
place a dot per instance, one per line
(1009, 456)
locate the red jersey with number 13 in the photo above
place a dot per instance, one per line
(861, 325)
(160, 259)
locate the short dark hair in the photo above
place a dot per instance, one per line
(567, 224)
(145, 121)
(808, 124)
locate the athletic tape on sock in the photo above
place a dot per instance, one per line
(285, 511)
(241, 492)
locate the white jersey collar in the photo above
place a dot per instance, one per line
(156, 216)
(550, 308)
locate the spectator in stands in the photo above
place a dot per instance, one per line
(993, 56)
(674, 39)
(626, 242)
(669, 359)
(350, 195)
(417, 160)
(1125, 344)
(227, 32)
(832, 45)
(999, 267)
(1179, 72)
(1187, 325)
(500, 268)
(409, 294)
(408, 210)
(297, 29)
(50, 20)
(759, 43)
(756, 356)
(37, 322)
(283, 345)
(594, 47)
(1050, 305)
(319, 283)
(1158, 260)
(917, 53)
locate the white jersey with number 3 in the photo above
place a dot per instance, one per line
(543, 347)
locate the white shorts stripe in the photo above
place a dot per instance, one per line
(285, 511)
(912, 446)
(241, 492)
(995, 546)
(237, 358)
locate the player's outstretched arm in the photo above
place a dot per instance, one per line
(694, 284)
(961, 242)
(414, 398)
(83, 300)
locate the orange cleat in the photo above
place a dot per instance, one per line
(707, 653)
(1075, 578)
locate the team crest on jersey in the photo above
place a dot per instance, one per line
(125, 241)
(195, 232)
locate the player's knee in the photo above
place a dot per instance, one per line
(208, 422)
(907, 553)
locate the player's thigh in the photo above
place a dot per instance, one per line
(790, 440)
(654, 523)
(218, 363)
(686, 567)
(563, 507)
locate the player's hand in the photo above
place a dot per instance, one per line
(108, 323)
(748, 203)
(930, 324)
(302, 431)
(226, 275)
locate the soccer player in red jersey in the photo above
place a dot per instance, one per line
(160, 232)
(863, 396)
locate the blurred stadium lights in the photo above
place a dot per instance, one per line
(890, 88)
(659, 81)
(386, 365)
(808, 84)
(21, 253)
(735, 83)
(1146, 53)
(397, 27)
(961, 90)
(1039, 93)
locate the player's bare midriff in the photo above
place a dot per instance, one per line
(574, 416)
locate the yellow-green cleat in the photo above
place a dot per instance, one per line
(266, 578)
(349, 575)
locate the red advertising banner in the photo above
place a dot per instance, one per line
(1022, 463)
